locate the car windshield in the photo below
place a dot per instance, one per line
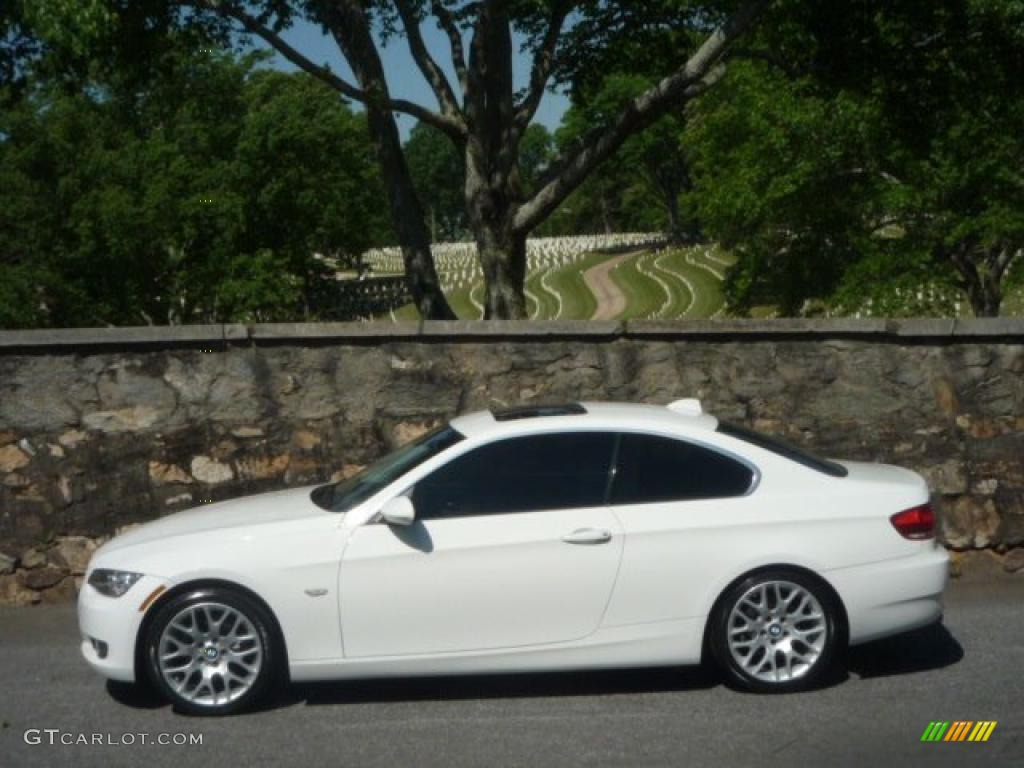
(342, 496)
(782, 448)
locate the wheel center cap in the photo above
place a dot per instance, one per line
(774, 630)
(211, 653)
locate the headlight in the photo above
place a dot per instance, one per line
(112, 583)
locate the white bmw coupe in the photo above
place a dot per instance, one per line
(536, 538)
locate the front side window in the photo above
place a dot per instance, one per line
(341, 497)
(652, 469)
(522, 474)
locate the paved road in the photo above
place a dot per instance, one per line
(972, 669)
(611, 301)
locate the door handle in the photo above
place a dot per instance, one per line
(588, 536)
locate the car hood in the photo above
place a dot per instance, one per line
(280, 506)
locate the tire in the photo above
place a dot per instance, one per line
(776, 631)
(212, 651)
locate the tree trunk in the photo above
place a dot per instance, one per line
(408, 220)
(503, 259)
(986, 298)
(675, 224)
(981, 274)
(491, 207)
(493, 191)
(606, 217)
(352, 32)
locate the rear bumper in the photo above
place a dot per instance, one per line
(109, 627)
(893, 596)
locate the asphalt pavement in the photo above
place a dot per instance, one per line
(969, 668)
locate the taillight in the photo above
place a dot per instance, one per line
(915, 523)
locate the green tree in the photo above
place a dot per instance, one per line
(639, 189)
(772, 162)
(482, 113)
(298, 204)
(202, 196)
(881, 158)
(536, 154)
(437, 170)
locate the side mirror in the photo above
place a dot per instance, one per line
(399, 511)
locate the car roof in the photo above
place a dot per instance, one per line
(681, 416)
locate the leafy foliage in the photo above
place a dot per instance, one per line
(637, 190)
(202, 197)
(881, 147)
(438, 172)
(863, 157)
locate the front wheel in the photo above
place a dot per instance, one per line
(776, 631)
(211, 651)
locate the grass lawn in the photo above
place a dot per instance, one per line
(406, 314)
(645, 296)
(675, 273)
(665, 284)
(458, 300)
(672, 284)
(578, 303)
(699, 272)
(545, 306)
(669, 284)
(1013, 302)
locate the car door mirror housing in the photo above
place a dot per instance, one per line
(399, 511)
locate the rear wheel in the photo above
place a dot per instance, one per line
(776, 631)
(211, 652)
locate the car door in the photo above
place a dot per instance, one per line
(684, 509)
(512, 546)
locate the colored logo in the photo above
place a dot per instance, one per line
(959, 730)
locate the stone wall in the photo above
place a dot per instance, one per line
(100, 429)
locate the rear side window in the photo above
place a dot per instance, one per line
(524, 474)
(652, 469)
(784, 449)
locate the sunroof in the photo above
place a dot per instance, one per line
(537, 411)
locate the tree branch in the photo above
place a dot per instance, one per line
(474, 92)
(698, 74)
(451, 28)
(959, 254)
(543, 63)
(431, 71)
(325, 74)
(1002, 260)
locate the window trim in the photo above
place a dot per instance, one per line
(444, 428)
(783, 449)
(613, 469)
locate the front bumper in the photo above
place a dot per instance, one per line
(893, 596)
(110, 625)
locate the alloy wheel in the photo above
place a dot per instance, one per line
(777, 631)
(210, 654)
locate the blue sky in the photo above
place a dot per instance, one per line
(404, 77)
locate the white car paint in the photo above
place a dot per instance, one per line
(355, 597)
(475, 584)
